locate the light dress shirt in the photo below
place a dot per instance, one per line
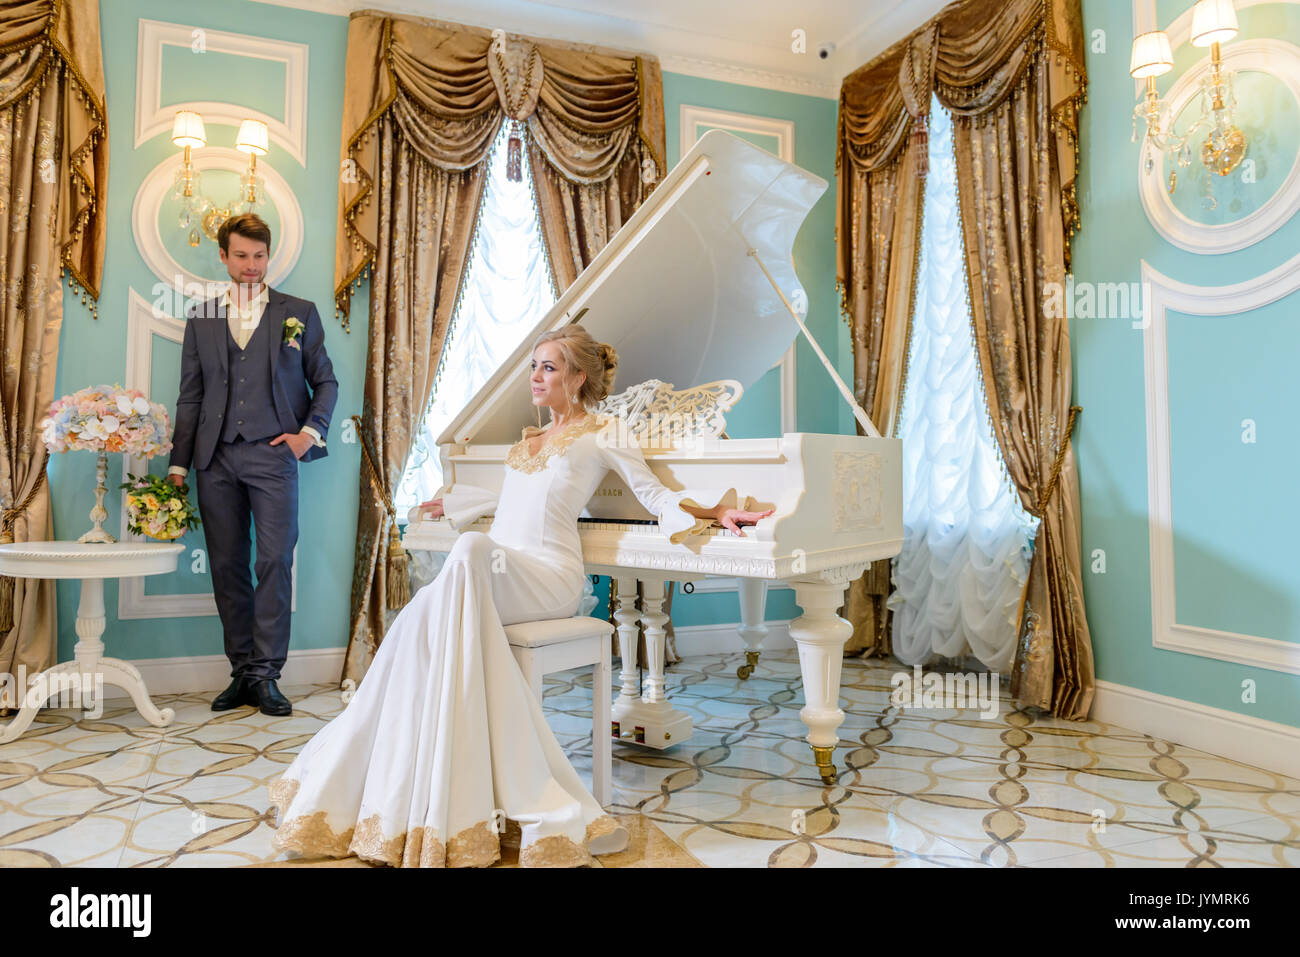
(243, 322)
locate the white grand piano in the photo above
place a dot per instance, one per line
(695, 294)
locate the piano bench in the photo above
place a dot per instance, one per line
(558, 644)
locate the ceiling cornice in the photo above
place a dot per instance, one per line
(679, 51)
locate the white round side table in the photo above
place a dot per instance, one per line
(92, 563)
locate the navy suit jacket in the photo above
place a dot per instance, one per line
(201, 404)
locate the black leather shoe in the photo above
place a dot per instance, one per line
(267, 697)
(233, 696)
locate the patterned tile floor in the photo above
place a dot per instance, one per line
(916, 788)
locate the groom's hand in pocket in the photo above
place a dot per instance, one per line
(298, 444)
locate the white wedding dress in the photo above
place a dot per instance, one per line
(443, 742)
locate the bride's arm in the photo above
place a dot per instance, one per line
(681, 514)
(460, 506)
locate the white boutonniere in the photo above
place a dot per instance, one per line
(293, 329)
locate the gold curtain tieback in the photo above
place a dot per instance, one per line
(399, 583)
(7, 519)
(1040, 507)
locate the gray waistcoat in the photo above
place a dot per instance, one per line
(250, 406)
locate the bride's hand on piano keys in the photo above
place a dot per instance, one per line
(433, 508)
(733, 518)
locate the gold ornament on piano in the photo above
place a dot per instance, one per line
(657, 416)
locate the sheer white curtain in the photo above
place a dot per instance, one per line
(507, 290)
(966, 538)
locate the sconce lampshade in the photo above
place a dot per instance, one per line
(1213, 21)
(187, 129)
(252, 137)
(1152, 55)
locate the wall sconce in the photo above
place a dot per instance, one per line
(199, 215)
(188, 133)
(252, 140)
(1213, 22)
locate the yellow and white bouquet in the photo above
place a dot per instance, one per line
(158, 509)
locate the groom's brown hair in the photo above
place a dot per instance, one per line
(248, 225)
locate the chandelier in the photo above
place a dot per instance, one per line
(1214, 22)
(200, 216)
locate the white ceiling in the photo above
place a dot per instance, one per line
(741, 41)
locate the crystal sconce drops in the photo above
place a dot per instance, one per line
(199, 216)
(1214, 22)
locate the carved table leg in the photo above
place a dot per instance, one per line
(820, 634)
(753, 629)
(88, 672)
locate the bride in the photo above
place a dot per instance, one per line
(443, 742)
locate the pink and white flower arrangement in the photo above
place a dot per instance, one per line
(106, 418)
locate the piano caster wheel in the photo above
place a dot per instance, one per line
(747, 669)
(825, 763)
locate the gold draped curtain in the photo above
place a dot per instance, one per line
(423, 103)
(53, 188)
(1012, 75)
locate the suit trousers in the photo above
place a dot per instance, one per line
(258, 480)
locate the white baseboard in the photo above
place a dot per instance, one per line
(725, 639)
(212, 672)
(1254, 741)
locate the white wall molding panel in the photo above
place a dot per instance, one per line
(1165, 295)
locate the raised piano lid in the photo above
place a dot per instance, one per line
(675, 291)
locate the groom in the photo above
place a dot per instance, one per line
(244, 419)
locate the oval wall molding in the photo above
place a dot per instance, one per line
(1276, 58)
(287, 246)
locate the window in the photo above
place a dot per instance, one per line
(966, 538)
(506, 291)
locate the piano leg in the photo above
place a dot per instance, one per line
(820, 634)
(753, 629)
(656, 639)
(648, 719)
(625, 619)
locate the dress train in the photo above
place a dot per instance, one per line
(443, 742)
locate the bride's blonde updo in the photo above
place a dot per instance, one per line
(582, 353)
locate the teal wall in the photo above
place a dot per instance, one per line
(1233, 518)
(94, 351)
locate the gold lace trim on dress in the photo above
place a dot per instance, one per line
(556, 850)
(559, 851)
(557, 444)
(601, 826)
(475, 846)
(310, 835)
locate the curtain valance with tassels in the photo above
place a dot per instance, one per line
(971, 61)
(591, 114)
